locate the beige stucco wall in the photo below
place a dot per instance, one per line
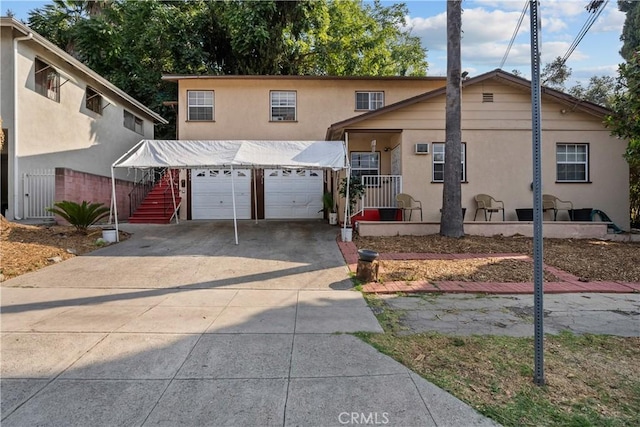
(62, 134)
(499, 155)
(550, 229)
(242, 105)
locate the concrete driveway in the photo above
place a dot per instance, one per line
(203, 255)
(180, 326)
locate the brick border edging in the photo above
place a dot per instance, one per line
(568, 283)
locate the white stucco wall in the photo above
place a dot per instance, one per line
(62, 134)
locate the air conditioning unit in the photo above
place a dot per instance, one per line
(422, 149)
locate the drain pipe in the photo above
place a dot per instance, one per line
(16, 171)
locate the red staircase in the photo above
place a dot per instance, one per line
(157, 207)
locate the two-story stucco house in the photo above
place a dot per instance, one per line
(394, 129)
(58, 113)
(274, 108)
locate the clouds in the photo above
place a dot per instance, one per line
(488, 26)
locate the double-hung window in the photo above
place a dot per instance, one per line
(367, 101)
(438, 162)
(133, 122)
(283, 106)
(93, 100)
(364, 163)
(47, 80)
(572, 162)
(200, 105)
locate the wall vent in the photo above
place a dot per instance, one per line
(487, 97)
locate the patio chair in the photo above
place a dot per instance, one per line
(488, 204)
(550, 202)
(408, 203)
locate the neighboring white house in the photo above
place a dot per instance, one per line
(57, 113)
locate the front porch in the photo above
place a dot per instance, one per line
(550, 229)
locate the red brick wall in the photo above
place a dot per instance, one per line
(77, 186)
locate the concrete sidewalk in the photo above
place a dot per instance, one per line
(512, 315)
(235, 343)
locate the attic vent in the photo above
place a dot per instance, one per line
(487, 97)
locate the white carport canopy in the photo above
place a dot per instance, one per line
(196, 154)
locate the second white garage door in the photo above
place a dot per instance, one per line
(211, 194)
(293, 194)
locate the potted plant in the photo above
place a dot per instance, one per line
(330, 207)
(356, 191)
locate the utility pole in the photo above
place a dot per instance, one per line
(538, 372)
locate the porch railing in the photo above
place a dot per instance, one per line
(380, 192)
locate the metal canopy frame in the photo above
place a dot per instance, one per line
(113, 215)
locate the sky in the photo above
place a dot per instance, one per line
(488, 26)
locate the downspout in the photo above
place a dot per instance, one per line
(16, 171)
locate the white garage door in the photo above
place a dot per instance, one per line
(292, 194)
(211, 194)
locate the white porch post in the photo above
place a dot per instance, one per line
(173, 196)
(114, 204)
(347, 220)
(233, 197)
(255, 194)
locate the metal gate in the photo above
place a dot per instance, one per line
(39, 192)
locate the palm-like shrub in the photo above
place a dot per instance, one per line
(81, 216)
(356, 191)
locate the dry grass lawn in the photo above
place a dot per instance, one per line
(589, 259)
(26, 248)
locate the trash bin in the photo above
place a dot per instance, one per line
(525, 214)
(388, 214)
(583, 214)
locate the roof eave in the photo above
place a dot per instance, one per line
(5, 21)
(575, 103)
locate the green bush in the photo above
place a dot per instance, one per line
(81, 216)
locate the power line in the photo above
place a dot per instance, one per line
(594, 8)
(515, 33)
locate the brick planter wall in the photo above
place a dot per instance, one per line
(78, 186)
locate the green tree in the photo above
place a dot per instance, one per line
(352, 38)
(624, 123)
(631, 29)
(555, 74)
(451, 224)
(134, 42)
(624, 120)
(599, 90)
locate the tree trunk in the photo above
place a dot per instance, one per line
(451, 221)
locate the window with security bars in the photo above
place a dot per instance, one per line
(200, 105)
(283, 106)
(47, 80)
(368, 101)
(572, 162)
(133, 122)
(438, 162)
